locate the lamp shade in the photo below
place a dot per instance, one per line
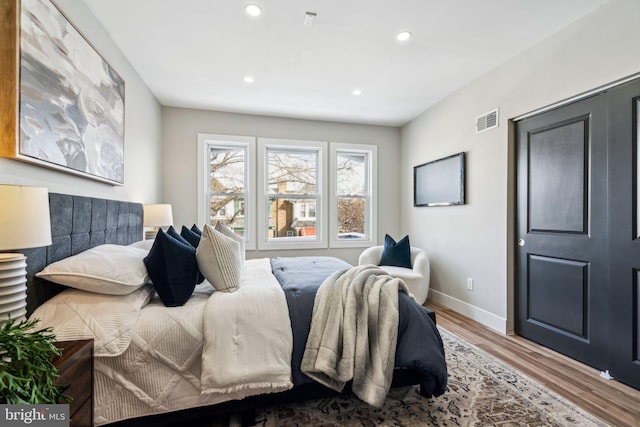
(158, 215)
(24, 217)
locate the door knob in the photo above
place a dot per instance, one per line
(520, 242)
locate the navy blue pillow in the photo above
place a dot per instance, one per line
(196, 230)
(173, 233)
(173, 269)
(190, 236)
(396, 254)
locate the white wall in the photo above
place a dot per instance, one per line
(476, 240)
(142, 130)
(180, 130)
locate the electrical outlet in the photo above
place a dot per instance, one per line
(469, 284)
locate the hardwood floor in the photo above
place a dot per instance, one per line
(609, 400)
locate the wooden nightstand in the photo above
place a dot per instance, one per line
(75, 367)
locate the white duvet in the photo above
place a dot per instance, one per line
(249, 340)
(151, 359)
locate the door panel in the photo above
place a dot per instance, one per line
(557, 293)
(561, 294)
(624, 150)
(636, 322)
(552, 183)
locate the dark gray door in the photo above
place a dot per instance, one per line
(562, 256)
(624, 232)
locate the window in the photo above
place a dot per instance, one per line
(291, 181)
(284, 200)
(305, 211)
(225, 184)
(353, 194)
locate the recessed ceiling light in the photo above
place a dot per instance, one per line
(253, 9)
(404, 36)
(357, 92)
(249, 79)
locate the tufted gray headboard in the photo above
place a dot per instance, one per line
(79, 223)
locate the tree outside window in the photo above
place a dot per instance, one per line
(227, 186)
(293, 189)
(352, 192)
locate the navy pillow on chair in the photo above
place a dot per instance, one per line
(196, 230)
(396, 254)
(173, 269)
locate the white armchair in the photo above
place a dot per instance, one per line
(416, 279)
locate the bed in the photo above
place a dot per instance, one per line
(220, 351)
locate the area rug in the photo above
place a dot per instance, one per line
(482, 391)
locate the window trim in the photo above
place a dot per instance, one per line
(206, 140)
(284, 243)
(371, 229)
(257, 196)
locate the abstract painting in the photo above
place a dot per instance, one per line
(71, 100)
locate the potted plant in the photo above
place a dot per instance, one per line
(27, 374)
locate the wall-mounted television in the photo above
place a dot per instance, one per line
(439, 182)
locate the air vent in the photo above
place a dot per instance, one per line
(487, 121)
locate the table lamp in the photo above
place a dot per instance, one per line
(24, 223)
(158, 215)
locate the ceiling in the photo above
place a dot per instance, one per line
(196, 53)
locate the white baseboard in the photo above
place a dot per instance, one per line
(478, 314)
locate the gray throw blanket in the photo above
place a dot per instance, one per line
(354, 329)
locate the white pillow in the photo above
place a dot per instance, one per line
(105, 269)
(219, 259)
(227, 231)
(109, 320)
(143, 244)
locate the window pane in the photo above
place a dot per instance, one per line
(291, 217)
(228, 210)
(351, 174)
(292, 172)
(351, 218)
(227, 170)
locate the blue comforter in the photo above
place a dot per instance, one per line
(419, 345)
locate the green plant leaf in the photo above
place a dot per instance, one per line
(27, 374)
